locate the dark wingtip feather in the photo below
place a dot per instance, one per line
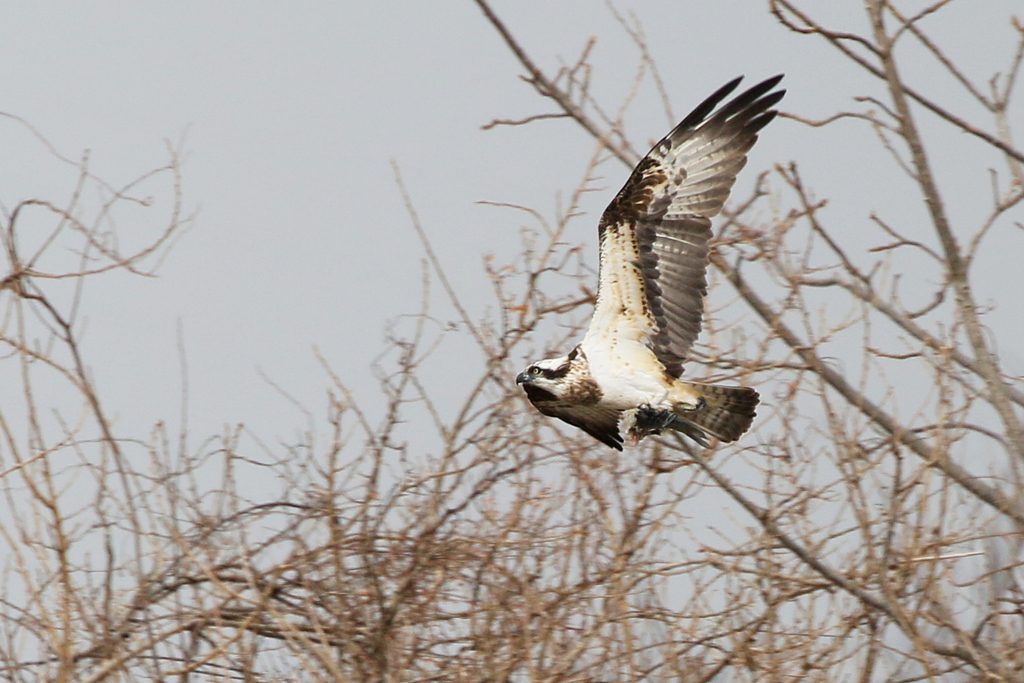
(770, 83)
(754, 105)
(756, 91)
(612, 439)
(701, 111)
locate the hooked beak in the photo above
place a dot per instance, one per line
(522, 378)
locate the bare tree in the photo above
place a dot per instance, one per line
(869, 528)
(912, 452)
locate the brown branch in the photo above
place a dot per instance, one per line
(549, 89)
(1010, 506)
(836, 39)
(519, 122)
(881, 603)
(997, 389)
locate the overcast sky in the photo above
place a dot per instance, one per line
(290, 116)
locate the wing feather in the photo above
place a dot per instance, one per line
(654, 235)
(601, 423)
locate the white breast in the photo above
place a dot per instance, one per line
(627, 372)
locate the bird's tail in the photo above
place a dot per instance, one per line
(723, 412)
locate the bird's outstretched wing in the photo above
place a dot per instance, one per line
(601, 423)
(654, 234)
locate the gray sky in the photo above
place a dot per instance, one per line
(291, 115)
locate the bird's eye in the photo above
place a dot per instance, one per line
(534, 371)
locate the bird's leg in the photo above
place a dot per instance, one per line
(644, 421)
(653, 419)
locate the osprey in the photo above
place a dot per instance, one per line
(651, 286)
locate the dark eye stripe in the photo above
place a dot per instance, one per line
(561, 371)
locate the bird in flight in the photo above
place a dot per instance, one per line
(654, 235)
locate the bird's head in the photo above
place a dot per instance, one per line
(546, 379)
